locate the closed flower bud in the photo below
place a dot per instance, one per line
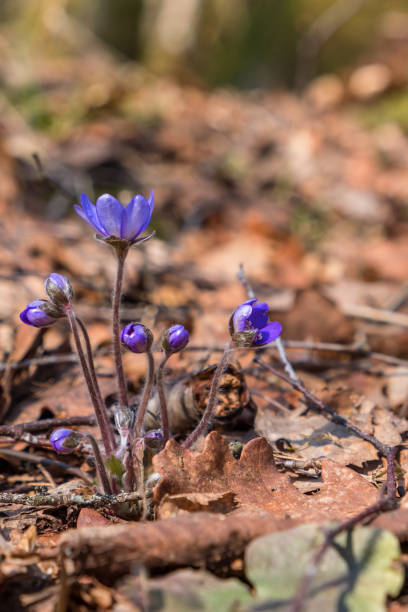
(175, 339)
(59, 289)
(65, 440)
(137, 337)
(40, 313)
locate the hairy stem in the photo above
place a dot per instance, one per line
(117, 294)
(101, 416)
(212, 398)
(147, 389)
(94, 378)
(162, 398)
(100, 466)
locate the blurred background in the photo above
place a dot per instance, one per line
(274, 133)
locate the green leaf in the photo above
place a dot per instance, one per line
(114, 466)
(356, 574)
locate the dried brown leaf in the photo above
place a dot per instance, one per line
(257, 483)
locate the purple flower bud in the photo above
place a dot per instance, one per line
(59, 289)
(249, 325)
(154, 438)
(39, 314)
(175, 339)
(137, 337)
(112, 220)
(65, 440)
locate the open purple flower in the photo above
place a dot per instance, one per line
(250, 326)
(65, 440)
(39, 314)
(112, 220)
(137, 337)
(175, 338)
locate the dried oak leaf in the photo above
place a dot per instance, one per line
(256, 482)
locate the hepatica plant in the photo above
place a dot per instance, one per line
(120, 453)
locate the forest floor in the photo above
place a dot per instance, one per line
(315, 207)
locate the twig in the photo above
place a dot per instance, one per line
(15, 431)
(48, 499)
(375, 314)
(313, 401)
(39, 361)
(23, 456)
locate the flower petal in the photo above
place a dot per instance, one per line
(268, 334)
(96, 226)
(259, 315)
(136, 217)
(90, 211)
(109, 211)
(241, 316)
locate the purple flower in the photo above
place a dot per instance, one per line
(59, 289)
(175, 339)
(38, 314)
(110, 219)
(137, 337)
(64, 440)
(250, 326)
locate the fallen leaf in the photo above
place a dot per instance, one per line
(256, 482)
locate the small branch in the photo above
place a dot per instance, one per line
(375, 314)
(245, 283)
(94, 501)
(15, 431)
(23, 456)
(317, 403)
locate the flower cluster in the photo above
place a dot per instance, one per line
(119, 461)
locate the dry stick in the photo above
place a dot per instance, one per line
(48, 499)
(147, 389)
(94, 378)
(101, 416)
(322, 407)
(15, 431)
(278, 342)
(212, 398)
(117, 293)
(23, 456)
(162, 398)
